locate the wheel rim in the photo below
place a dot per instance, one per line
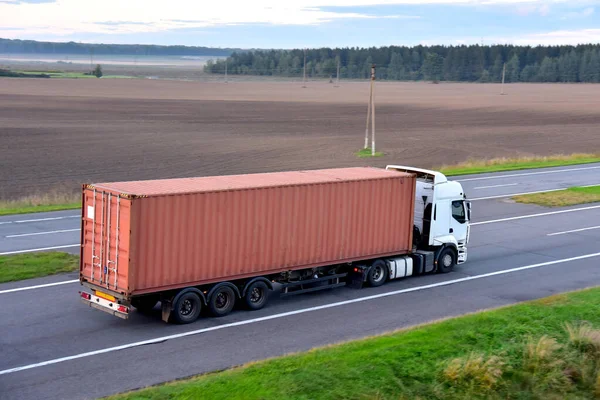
(447, 260)
(377, 274)
(256, 295)
(186, 308)
(222, 300)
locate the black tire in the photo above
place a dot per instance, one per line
(446, 261)
(187, 308)
(378, 273)
(222, 301)
(256, 295)
(145, 304)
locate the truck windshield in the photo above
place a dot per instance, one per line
(458, 211)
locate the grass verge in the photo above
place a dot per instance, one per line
(562, 198)
(365, 153)
(35, 265)
(524, 351)
(518, 163)
(51, 201)
(72, 75)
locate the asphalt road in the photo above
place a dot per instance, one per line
(48, 323)
(55, 230)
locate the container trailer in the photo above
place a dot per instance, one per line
(212, 242)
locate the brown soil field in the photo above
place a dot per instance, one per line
(60, 133)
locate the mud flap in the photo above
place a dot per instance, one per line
(356, 279)
(167, 307)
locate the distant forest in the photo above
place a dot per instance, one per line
(436, 63)
(34, 47)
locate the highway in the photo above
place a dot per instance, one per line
(54, 347)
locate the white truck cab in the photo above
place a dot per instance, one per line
(442, 214)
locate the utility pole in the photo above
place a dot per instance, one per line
(226, 70)
(368, 115)
(503, 73)
(304, 71)
(371, 114)
(337, 79)
(91, 59)
(373, 110)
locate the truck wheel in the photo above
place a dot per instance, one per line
(256, 295)
(222, 301)
(378, 273)
(144, 304)
(446, 261)
(187, 308)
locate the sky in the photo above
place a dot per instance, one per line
(303, 23)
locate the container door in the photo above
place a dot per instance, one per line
(102, 239)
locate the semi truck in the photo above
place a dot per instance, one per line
(209, 243)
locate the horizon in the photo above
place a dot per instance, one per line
(233, 49)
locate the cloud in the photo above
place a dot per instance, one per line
(398, 17)
(71, 17)
(553, 38)
(587, 12)
(569, 37)
(528, 9)
(66, 17)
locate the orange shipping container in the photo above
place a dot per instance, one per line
(148, 236)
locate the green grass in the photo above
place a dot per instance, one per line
(365, 153)
(516, 352)
(54, 200)
(27, 209)
(73, 75)
(562, 198)
(518, 163)
(34, 265)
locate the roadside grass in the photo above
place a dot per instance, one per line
(517, 163)
(52, 201)
(63, 74)
(17, 267)
(562, 198)
(525, 351)
(366, 153)
(55, 201)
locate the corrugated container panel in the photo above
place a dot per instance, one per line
(105, 238)
(226, 228)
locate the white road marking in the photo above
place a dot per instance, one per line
(39, 220)
(20, 289)
(495, 186)
(527, 174)
(40, 249)
(472, 224)
(42, 233)
(524, 193)
(493, 221)
(46, 219)
(287, 314)
(574, 230)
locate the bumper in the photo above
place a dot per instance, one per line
(462, 255)
(110, 307)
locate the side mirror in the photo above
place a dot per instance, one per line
(468, 204)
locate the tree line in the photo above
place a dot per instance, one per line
(16, 46)
(473, 63)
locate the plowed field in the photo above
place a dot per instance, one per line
(64, 132)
